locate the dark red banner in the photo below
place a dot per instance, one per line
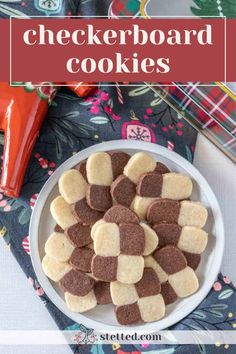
(117, 50)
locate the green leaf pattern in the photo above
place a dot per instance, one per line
(214, 8)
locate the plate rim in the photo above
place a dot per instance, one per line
(35, 221)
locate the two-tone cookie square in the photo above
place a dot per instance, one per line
(138, 302)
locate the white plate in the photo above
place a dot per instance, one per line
(42, 224)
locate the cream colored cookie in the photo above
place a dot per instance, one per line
(140, 206)
(192, 214)
(99, 169)
(152, 308)
(62, 213)
(185, 282)
(54, 269)
(192, 240)
(151, 239)
(149, 262)
(81, 303)
(94, 227)
(72, 186)
(123, 294)
(107, 240)
(130, 269)
(176, 186)
(138, 164)
(59, 247)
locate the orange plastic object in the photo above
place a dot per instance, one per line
(21, 115)
(22, 111)
(82, 89)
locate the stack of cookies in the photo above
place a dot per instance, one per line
(126, 234)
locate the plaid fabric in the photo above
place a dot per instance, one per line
(210, 109)
(221, 108)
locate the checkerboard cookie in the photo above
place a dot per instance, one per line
(75, 190)
(101, 169)
(125, 268)
(181, 277)
(100, 177)
(169, 270)
(99, 295)
(170, 185)
(111, 239)
(139, 302)
(185, 213)
(189, 239)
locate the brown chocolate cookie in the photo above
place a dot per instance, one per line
(150, 185)
(118, 162)
(163, 210)
(168, 234)
(77, 283)
(171, 259)
(120, 214)
(161, 168)
(168, 293)
(104, 268)
(102, 293)
(81, 167)
(128, 314)
(132, 239)
(149, 284)
(123, 191)
(84, 214)
(193, 259)
(58, 229)
(79, 235)
(99, 197)
(81, 259)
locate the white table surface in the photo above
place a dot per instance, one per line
(21, 309)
